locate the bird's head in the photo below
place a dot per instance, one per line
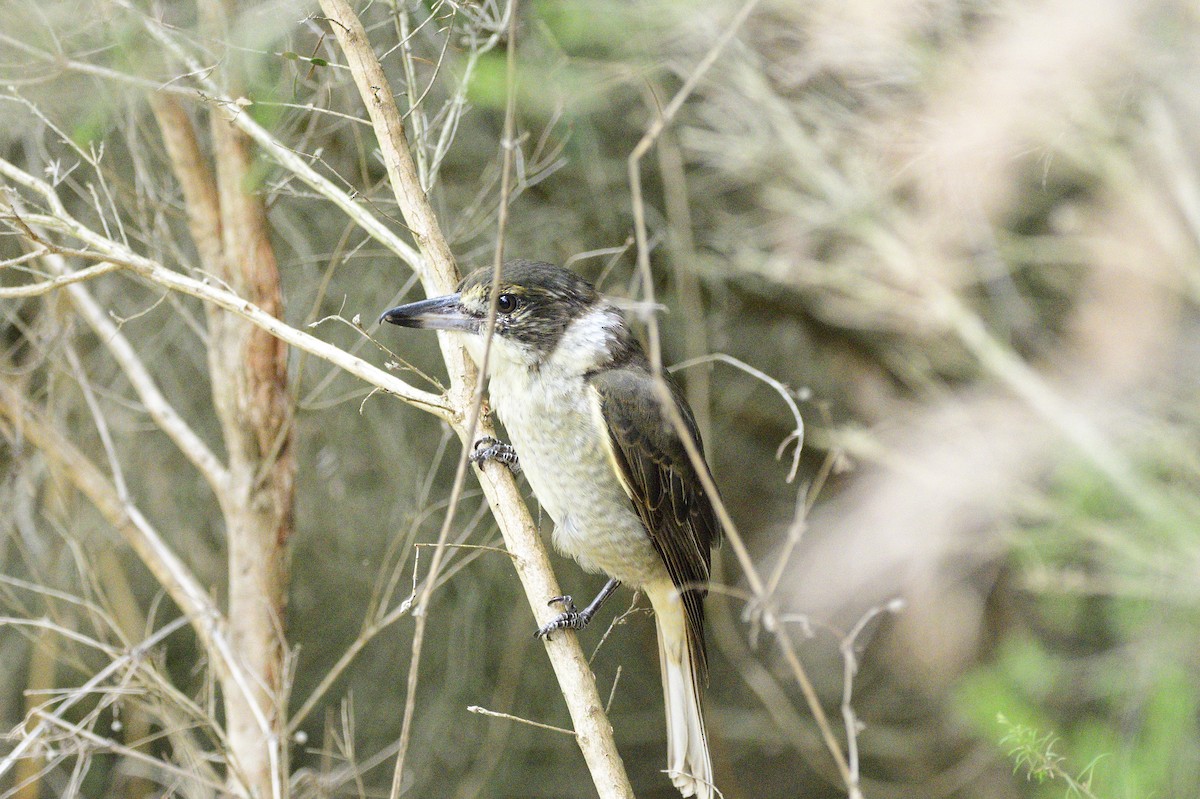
(543, 312)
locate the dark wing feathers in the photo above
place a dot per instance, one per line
(667, 494)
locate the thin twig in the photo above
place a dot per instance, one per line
(53, 284)
(485, 712)
(797, 435)
(160, 410)
(331, 676)
(612, 625)
(480, 547)
(849, 671)
(667, 402)
(804, 503)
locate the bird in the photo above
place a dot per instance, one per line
(577, 397)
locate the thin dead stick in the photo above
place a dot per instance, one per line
(47, 286)
(849, 671)
(65, 632)
(364, 638)
(758, 589)
(681, 244)
(102, 428)
(796, 435)
(496, 714)
(59, 60)
(672, 412)
(157, 406)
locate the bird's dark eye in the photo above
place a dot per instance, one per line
(506, 303)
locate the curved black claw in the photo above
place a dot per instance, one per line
(491, 449)
(572, 619)
(569, 619)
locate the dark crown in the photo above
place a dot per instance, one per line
(534, 277)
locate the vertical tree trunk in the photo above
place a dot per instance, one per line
(248, 368)
(249, 374)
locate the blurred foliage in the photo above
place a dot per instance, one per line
(1107, 623)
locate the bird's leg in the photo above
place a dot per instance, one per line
(491, 449)
(576, 619)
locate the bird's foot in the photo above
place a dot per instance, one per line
(569, 619)
(491, 449)
(572, 619)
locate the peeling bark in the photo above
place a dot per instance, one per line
(248, 370)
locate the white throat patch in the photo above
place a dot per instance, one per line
(587, 341)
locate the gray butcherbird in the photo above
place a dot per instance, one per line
(576, 394)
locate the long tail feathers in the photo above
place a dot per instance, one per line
(688, 761)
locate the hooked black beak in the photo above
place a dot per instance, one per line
(437, 313)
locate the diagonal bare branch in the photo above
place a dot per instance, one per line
(575, 678)
(103, 248)
(160, 409)
(55, 283)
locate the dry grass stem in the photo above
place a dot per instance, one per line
(796, 436)
(55, 283)
(749, 570)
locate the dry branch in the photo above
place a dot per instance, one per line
(101, 247)
(170, 572)
(55, 283)
(439, 275)
(160, 410)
